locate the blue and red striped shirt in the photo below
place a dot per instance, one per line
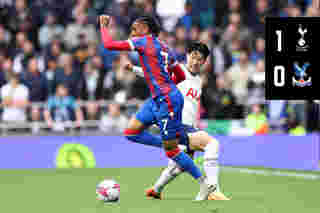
(155, 59)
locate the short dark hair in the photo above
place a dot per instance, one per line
(152, 23)
(198, 46)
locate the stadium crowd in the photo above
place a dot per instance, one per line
(50, 52)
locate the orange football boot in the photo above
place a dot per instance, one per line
(153, 194)
(217, 196)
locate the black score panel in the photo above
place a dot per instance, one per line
(292, 58)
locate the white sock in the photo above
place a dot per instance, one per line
(167, 175)
(210, 163)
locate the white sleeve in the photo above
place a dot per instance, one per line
(138, 71)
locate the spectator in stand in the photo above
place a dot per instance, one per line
(294, 11)
(50, 74)
(124, 13)
(17, 48)
(81, 53)
(5, 38)
(86, 7)
(237, 76)
(73, 31)
(278, 116)
(49, 30)
(38, 89)
(181, 33)
(114, 121)
(5, 71)
(15, 99)
(256, 84)
(219, 97)
(257, 17)
(70, 75)
(180, 50)
(232, 50)
(303, 4)
(312, 11)
(93, 78)
(21, 61)
(186, 19)
(256, 121)
(108, 56)
(170, 15)
(2, 56)
(23, 18)
(259, 50)
(54, 49)
(149, 9)
(195, 33)
(234, 6)
(61, 109)
(112, 82)
(235, 27)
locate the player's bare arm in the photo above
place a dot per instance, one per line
(107, 39)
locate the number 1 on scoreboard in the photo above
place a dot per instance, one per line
(279, 39)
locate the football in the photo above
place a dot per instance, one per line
(108, 191)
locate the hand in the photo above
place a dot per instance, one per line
(104, 20)
(128, 67)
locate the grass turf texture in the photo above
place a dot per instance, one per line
(73, 191)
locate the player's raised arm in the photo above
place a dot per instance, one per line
(107, 40)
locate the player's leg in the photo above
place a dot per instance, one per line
(173, 170)
(202, 141)
(196, 141)
(167, 175)
(136, 131)
(169, 117)
(171, 127)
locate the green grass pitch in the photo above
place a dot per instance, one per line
(73, 191)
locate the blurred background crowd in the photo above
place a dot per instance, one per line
(53, 67)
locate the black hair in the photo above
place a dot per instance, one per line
(152, 23)
(198, 46)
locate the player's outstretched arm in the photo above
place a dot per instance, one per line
(107, 40)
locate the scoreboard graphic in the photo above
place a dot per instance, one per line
(292, 58)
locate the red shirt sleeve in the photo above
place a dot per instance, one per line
(110, 44)
(177, 73)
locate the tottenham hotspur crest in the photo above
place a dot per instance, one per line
(300, 78)
(302, 43)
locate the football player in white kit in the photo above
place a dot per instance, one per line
(189, 84)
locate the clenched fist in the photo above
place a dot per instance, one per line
(104, 20)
